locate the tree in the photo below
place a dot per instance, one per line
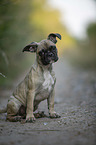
(91, 32)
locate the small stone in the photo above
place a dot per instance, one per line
(45, 123)
(58, 121)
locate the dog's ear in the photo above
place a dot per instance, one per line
(32, 47)
(52, 37)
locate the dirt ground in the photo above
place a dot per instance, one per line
(75, 100)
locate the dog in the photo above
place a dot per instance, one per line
(37, 85)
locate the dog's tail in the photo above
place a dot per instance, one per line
(3, 110)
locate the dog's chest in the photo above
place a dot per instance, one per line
(48, 81)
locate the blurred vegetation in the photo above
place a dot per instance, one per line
(22, 22)
(14, 28)
(84, 54)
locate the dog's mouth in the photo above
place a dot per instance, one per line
(48, 57)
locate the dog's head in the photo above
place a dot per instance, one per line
(46, 51)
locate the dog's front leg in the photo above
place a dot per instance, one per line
(50, 102)
(30, 105)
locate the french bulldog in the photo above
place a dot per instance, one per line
(38, 84)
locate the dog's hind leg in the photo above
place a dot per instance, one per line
(13, 108)
(13, 118)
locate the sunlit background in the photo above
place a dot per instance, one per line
(76, 14)
(22, 22)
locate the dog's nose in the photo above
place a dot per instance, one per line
(51, 54)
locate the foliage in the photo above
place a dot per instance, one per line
(15, 32)
(91, 32)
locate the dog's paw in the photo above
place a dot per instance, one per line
(40, 114)
(30, 119)
(54, 115)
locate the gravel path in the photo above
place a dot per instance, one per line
(75, 100)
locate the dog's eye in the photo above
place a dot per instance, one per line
(40, 53)
(52, 48)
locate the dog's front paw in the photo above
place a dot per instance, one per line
(54, 115)
(30, 119)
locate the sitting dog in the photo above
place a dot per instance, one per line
(38, 84)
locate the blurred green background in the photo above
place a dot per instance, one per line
(22, 22)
